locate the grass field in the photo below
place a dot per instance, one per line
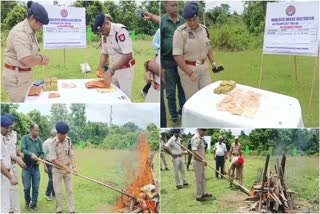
(108, 166)
(278, 76)
(302, 176)
(143, 51)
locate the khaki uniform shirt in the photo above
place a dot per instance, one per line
(174, 145)
(5, 155)
(235, 149)
(192, 45)
(61, 151)
(21, 42)
(116, 49)
(11, 142)
(197, 144)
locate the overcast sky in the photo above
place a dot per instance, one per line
(141, 114)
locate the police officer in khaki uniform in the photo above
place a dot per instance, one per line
(7, 178)
(191, 48)
(163, 155)
(236, 164)
(21, 52)
(11, 142)
(174, 149)
(235, 151)
(61, 154)
(198, 148)
(117, 44)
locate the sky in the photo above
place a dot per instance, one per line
(141, 114)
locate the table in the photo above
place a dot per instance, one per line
(275, 111)
(80, 94)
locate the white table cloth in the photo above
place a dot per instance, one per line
(275, 111)
(80, 94)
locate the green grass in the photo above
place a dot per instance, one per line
(143, 51)
(278, 76)
(108, 166)
(302, 176)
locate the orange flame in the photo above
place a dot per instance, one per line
(142, 177)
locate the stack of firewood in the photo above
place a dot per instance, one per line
(272, 193)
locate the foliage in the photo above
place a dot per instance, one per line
(254, 16)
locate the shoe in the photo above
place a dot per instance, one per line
(144, 94)
(49, 198)
(27, 207)
(186, 184)
(167, 169)
(179, 186)
(201, 199)
(175, 122)
(207, 195)
(34, 207)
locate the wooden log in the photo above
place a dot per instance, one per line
(283, 163)
(264, 179)
(138, 210)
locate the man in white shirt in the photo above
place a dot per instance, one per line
(219, 155)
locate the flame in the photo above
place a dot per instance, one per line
(142, 176)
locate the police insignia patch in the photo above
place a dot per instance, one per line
(122, 37)
(191, 36)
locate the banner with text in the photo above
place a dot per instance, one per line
(66, 28)
(292, 28)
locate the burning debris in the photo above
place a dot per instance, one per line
(272, 194)
(144, 188)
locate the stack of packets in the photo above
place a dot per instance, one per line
(50, 84)
(238, 102)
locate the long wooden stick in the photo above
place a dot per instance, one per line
(239, 186)
(89, 179)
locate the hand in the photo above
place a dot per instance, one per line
(205, 162)
(20, 162)
(107, 76)
(34, 157)
(99, 72)
(67, 170)
(13, 181)
(45, 60)
(148, 77)
(147, 16)
(194, 77)
(163, 78)
(21, 155)
(74, 171)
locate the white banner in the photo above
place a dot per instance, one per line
(292, 28)
(66, 28)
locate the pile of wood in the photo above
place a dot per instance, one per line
(272, 193)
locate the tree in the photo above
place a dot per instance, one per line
(58, 112)
(131, 127)
(77, 122)
(153, 133)
(92, 9)
(6, 7)
(13, 16)
(254, 16)
(96, 132)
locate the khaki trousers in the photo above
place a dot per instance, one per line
(200, 177)
(178, 166)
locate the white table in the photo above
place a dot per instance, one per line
(275, 111)
(80, 94)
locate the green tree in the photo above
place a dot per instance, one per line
(131, 127)
(58, 112)
(43, 122)
(77, 122)
(13, 17)
(153, 133)
(254, 16)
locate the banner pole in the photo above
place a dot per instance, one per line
(313, 80)
(295, 67)
(64, 57)
(261, 68)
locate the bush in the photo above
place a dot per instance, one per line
(234, 38)
(144, 37)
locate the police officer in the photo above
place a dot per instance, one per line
(163, 155)
(61, 154)
(7, 178)
(46, 146)
(174, 149)
(198, 148)
(191, 47)
(21, 52)
(117, 44)
(235, 151)
(15, 156)
(236, 164)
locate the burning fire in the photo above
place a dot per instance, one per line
(142, 177)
